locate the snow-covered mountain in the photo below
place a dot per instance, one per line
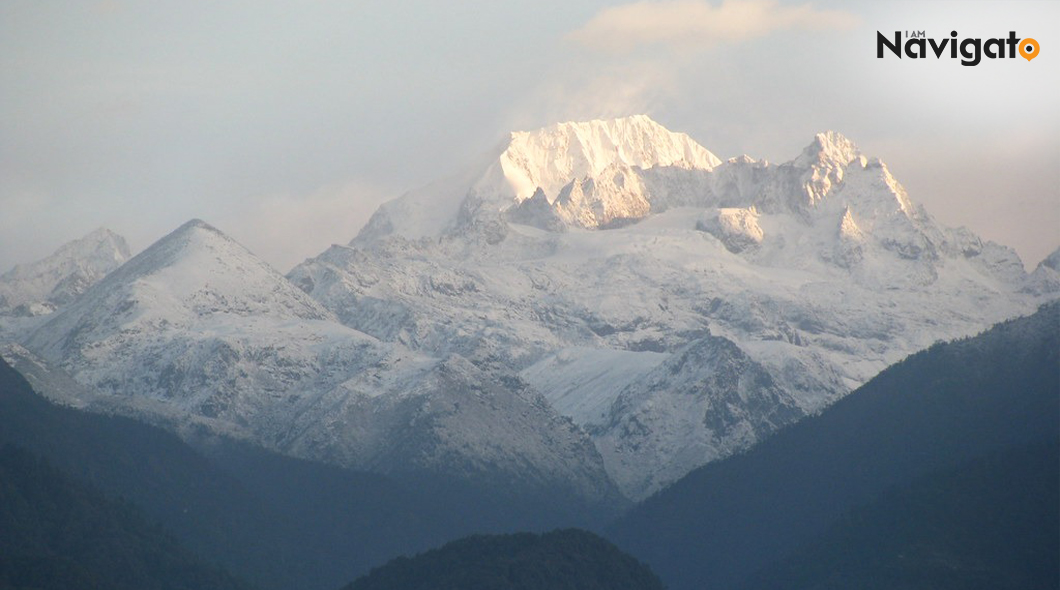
(197, 333)
(198, 321)
(41, 287)
(590, 304)
(550, 161)
(676, 307)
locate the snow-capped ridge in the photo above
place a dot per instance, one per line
(704, 389)
(597, 173)
(200, 325)
(600, 175)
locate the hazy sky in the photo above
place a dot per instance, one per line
(286, 123)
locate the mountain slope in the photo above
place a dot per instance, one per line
(714, 394)
(198, 333)
(454, 420)
(949, 404)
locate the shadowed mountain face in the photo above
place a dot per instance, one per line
(932, 412)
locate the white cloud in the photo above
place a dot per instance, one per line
(592, 90)
(695, 23)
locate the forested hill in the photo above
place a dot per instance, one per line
(60, 534)
(570, 558)
(991, 523)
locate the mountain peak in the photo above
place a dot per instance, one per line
(192, 235)
(196, 222)
(550, 157)
(59, 278)
(616, 127)
(198, 268)
(99, 235)
(829, 146)
(194, 276)
(101, 239)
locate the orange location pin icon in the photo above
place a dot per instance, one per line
(1028, 48)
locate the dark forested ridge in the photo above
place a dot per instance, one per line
(945, 406)
(211, 512)
(275, 521)
(989, 524)
(563, 559)
(59, 534)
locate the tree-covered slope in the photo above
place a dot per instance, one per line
(990, 524)
(562, 559)
(58, 534)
